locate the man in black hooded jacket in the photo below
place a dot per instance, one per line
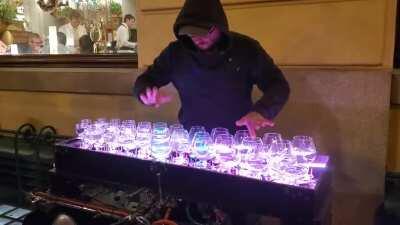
(214, 71)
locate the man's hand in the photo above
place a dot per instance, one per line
(153, 97)
(3, 48)
(254, 121)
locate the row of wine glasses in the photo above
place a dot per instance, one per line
(268, 157)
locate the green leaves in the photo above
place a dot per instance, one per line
(8, 11)
(115, 8)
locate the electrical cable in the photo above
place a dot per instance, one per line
(121, 221)
(190, 217)
(165, 220)
(143, 220)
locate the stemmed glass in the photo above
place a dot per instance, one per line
(194, 130)
(252, 164)
(305, 152)
(160, 148)
(219, 131)
(225, 151)
(81, 127)
(176, 126)
(94, 137)
(81, 131)
(240, 135)
(271, 138)
(143, 139)
(304, 149)
(202, 146)
(279, 150)
(180, 145)
(127, 135)
(160, 128)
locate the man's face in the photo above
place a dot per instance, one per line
(131, 23)
(75, 22)
(207, 41)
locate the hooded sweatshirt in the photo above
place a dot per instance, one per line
(215, 86)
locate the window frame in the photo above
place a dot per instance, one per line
(70, 61)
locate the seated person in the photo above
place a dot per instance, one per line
(34, 46)
(86, 45)
(61, 48)
(123, 33)
(3, 48)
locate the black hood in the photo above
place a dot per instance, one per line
(203, 13)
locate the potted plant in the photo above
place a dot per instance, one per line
(115, 9)
(8, 12)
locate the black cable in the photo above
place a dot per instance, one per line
(189, 216)
(142, 220)
(121, 221)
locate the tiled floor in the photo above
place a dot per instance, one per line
(11, 215)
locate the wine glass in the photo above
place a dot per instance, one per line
(143, 139)
(225, 151)
(304, 148)
(218, 131)
(250, 155)
(271, 138)
(194, 130)
(223, 144)
(240, 135)
(176, 126)
(160, 128)
(201, 145)
(180, 145)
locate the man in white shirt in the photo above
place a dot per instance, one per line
(123, 33)
(73, 30)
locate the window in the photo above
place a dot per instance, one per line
(68, 27)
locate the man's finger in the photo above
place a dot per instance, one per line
(268, 123)
(251, 130)
(241, 122)
(149, 94)
(144, 99)
(155, 93)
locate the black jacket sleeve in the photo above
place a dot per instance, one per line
(270, 80)
(157, 75)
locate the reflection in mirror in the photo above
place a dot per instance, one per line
(67, 27)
